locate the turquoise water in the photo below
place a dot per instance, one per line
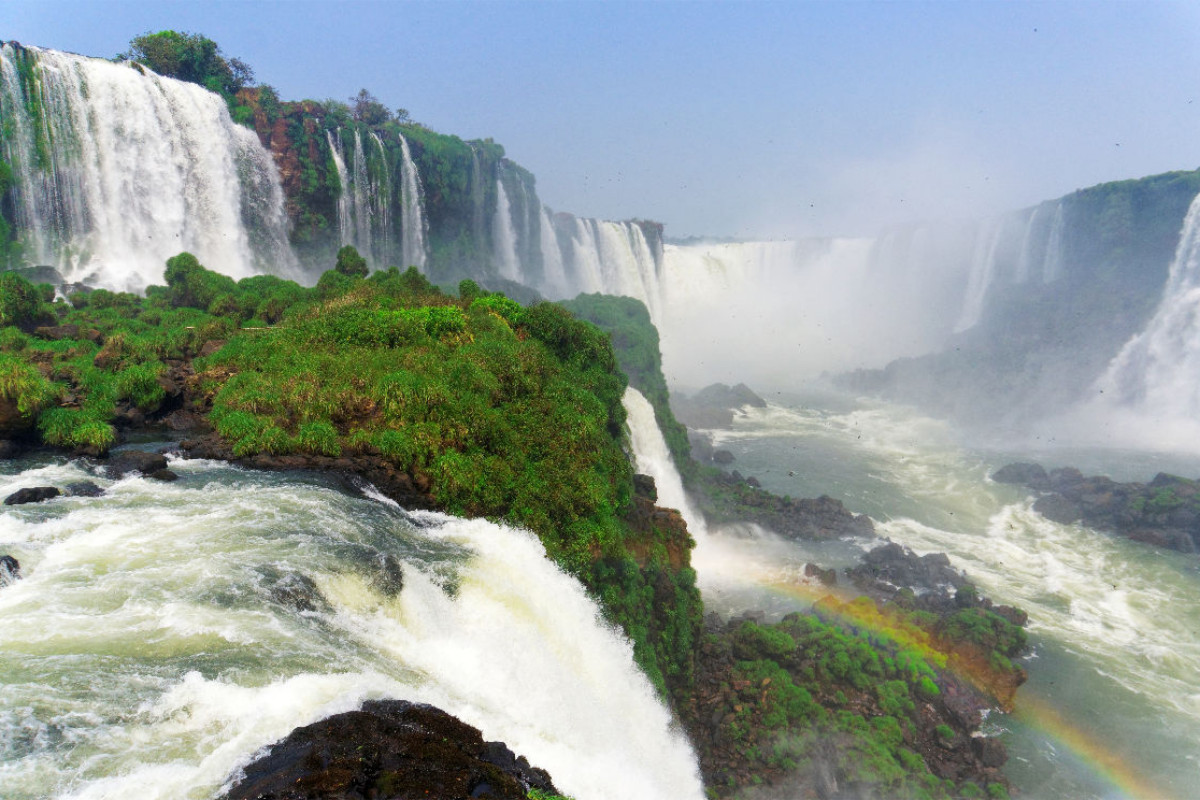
(1112, 708)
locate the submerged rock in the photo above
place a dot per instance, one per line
(31, 494)
(389, 749)
(10, 570)
(84, 489)
(121, 464)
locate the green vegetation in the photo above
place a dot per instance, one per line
(193, 58)
(502, 411)
(825, 688)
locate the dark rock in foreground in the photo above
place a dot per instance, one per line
(389, 749)
(31, 494)
(1164, 512)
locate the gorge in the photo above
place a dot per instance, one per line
(164, 633)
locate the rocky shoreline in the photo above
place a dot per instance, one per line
(1164, 512)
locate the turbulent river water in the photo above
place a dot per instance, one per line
(1112, 707)
(165, 632)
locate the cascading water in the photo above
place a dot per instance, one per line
(1154, 375)
(1052, 264)
(345, 204)
(983, 272)
(413, 224)
(554, 276)
(505, 237)
(164, 633)
(117, 169)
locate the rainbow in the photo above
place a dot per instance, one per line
(1035, 712)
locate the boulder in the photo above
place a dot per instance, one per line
(10, 570)
(56, 333)
(393, 749)
(1023, 474)
(31, 494)
(83, 489)
(121, 464)
(722, 457)
(1059, 509)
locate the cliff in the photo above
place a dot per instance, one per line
(1040, 341)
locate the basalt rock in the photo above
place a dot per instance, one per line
(1164, 512)
(390, 750)
(83, 489)
(124, 463)
(31, 494)
(10, 570)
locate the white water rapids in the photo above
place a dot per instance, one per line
(151, 647)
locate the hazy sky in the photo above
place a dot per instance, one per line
(746, 119)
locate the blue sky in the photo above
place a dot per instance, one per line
(745, 119)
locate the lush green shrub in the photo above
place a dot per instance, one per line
(350, 263)
(23, 383)
(20, 301)
(190, 284)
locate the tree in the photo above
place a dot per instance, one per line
(190, 57)
(350, 263)
(368, 110)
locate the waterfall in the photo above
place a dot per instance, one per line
(413, 224)
(1052, 264)
(554, 277)
(626, 262)
(361, 183)
(478, 201)
(164, 633)
(117, 169)
(653, 458)
(381, 198)
(983, 272)
(345, 204)
(1026, 256)
(1155, 374)
(504, 237)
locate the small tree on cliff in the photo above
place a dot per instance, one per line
(193, 58)
(368, 110)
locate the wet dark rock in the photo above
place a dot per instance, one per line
(298, 592)
(83, 489)
(389, 578)
(121, 464)
(1164, 512)
(31, 494)
(56, 332)
(899, 567)
(165, 475)
(826, 576)
(990, 752)
(10, 570)
(722, 457)
(10, 448)
(182, 421)
(1023, 474)
(644, 486)
(713, 406)
(389, 749)
(1058, 509)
